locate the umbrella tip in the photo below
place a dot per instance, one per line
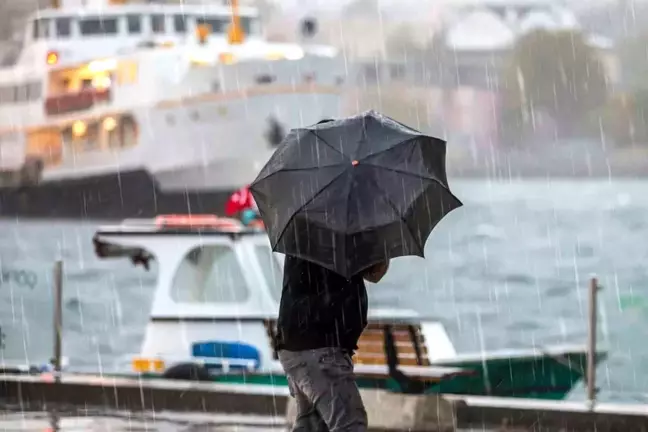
(354, 163)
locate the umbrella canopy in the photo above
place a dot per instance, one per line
(347, 194)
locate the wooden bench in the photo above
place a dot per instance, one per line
(412, 356)
(407, 338)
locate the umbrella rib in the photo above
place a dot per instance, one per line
(285, 170)
(399, 171)
(310, 200)
(393, 206)
(399, 143)
(325, 142)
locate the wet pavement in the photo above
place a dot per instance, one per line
(15, 420)
(42, 421)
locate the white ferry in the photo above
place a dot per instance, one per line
(214, 318)
(134, 109)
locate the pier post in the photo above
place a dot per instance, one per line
(58, 317)
(591, 341)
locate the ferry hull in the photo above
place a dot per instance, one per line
(114, 196)
(179, 166)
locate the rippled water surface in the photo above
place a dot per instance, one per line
(509, 269)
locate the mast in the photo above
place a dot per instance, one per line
(235, 34)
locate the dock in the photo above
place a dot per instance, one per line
(101, 394)
(540, 415)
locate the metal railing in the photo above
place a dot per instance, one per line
(58, 319)
(592, 318)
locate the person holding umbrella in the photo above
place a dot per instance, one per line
(340, 199)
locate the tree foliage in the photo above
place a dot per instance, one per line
(360, 9)
(556, 73)
(400, 43)
(14, 12)
(633, 56)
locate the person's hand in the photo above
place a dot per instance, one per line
(376, 272)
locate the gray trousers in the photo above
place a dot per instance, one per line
(323, 385)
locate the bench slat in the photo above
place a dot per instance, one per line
(421, 373)
(382, 361)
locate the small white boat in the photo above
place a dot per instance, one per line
(215, 307)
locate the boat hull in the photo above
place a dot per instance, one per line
(542, 377)
(113, 196)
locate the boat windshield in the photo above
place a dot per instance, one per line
(271, 271)
(210, 274)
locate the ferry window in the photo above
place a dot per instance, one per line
(246, 23)
(180, 23)
(157, 23)
(41, 28)
(113, 132)
(210, 274)
(63, 27)
(21, 93)
(34, 91)
(218, 25)
(127, 132)
(7, 94)
(134, 23)
(98, 26)
(271, 271)
(81, 137)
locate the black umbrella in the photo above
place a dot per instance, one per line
(347, 194)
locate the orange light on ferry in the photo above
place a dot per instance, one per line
(109, 124)
(52, 58)
(79, 128)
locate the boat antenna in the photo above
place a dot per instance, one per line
(235, 34)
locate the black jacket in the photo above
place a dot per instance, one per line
(320, 308)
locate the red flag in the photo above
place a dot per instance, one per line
(240, 200)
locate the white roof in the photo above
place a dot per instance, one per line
(481, 29)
